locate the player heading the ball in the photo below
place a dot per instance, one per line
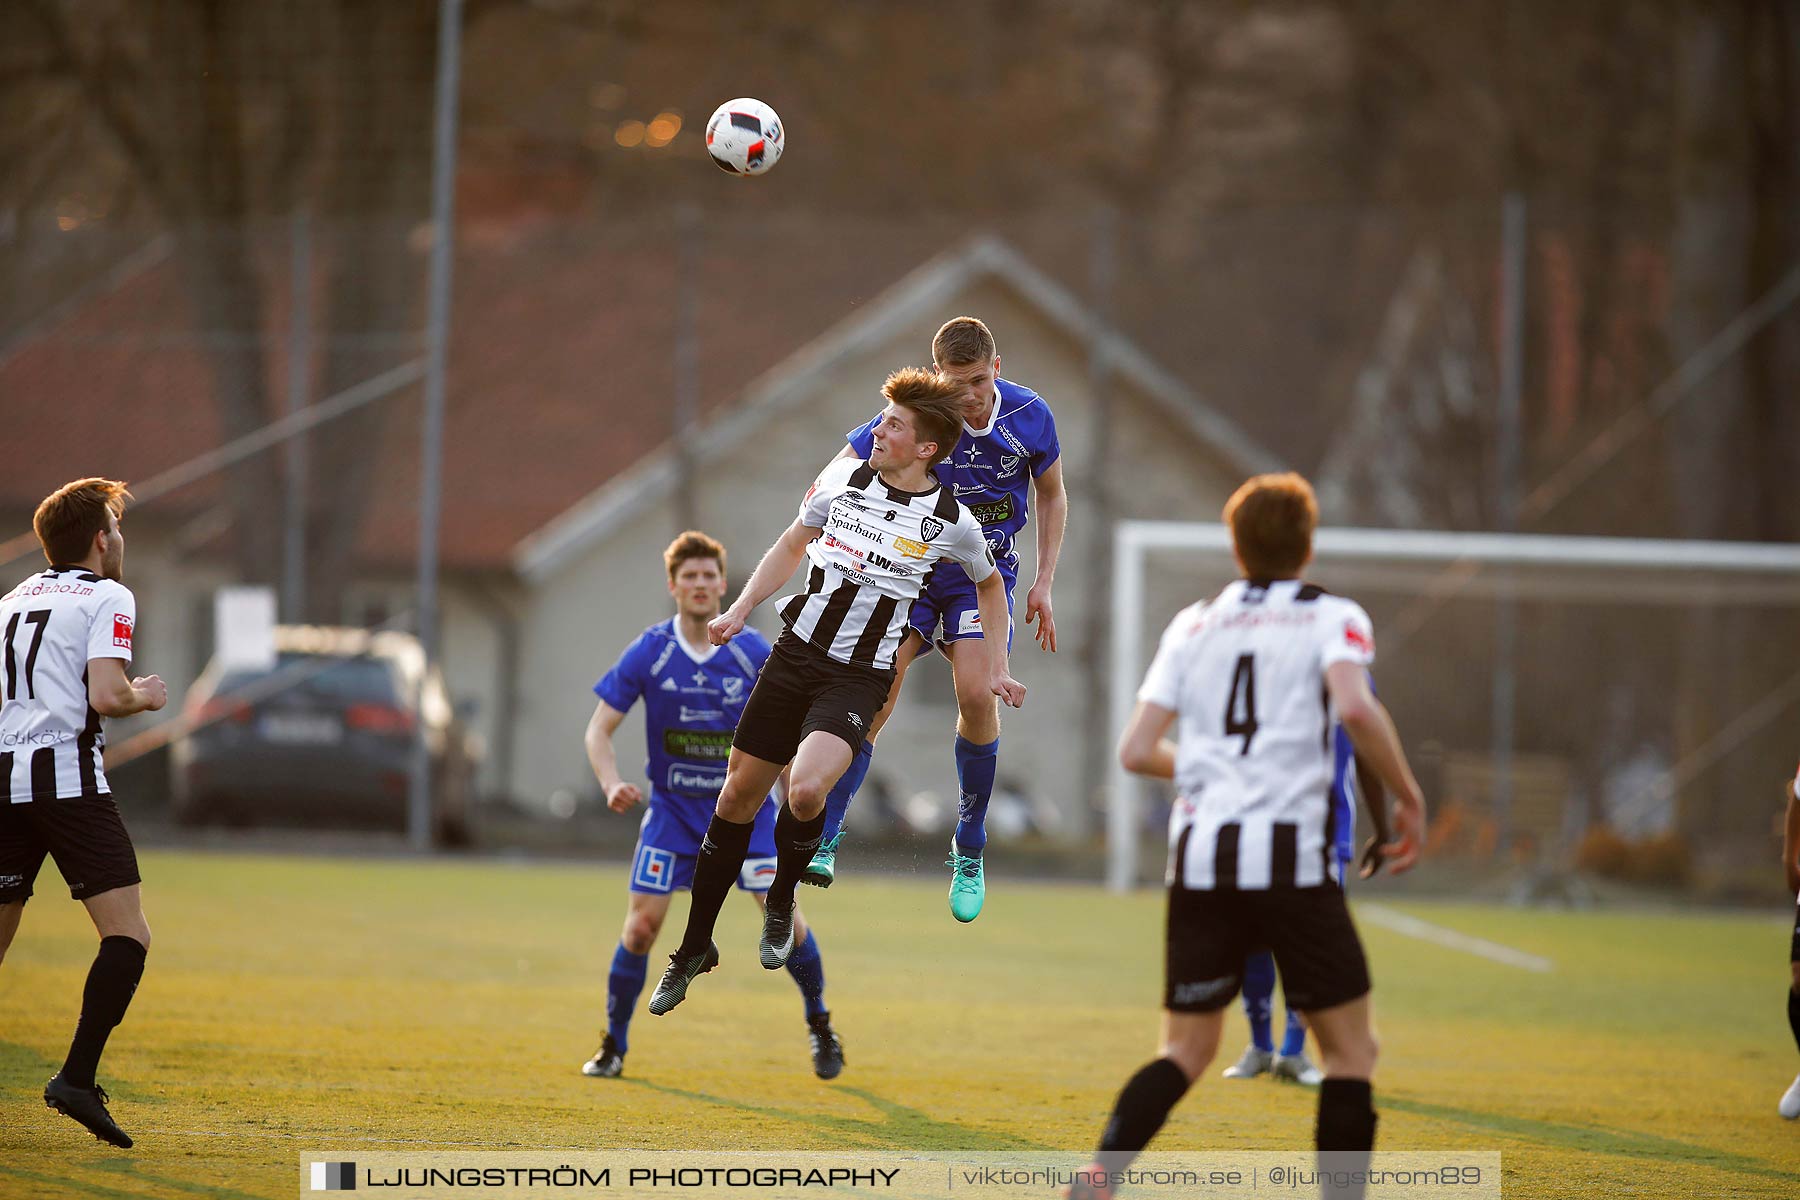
(870, 530)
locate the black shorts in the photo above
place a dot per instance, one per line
(84, 834)
(1211, 933)
(801, 689)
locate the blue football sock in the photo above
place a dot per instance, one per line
(808, 970)
(1259, 993)
(622, 988)
(975, 778)
(837, 804)
(1294, 1041)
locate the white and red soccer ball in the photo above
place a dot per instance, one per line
(744, 136)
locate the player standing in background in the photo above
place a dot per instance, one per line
(67, 637)
(693, 693)
(1350, 775)
(1790, 861)
(1245, 674)
(1007, 450)
(871, 531)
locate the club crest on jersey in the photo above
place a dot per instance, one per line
(734, 689)
(910, 548)
(1009, 464)
(930, 527)
(121, 630)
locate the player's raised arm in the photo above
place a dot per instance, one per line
(113, 694)
(774, 570)
(1372, 732)
(598, 740)
(1050, 503)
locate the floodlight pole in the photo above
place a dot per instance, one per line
(437, 343)
(684, 415)
(1506, 605)
(299, 394)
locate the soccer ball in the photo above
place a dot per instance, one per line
(744, 137)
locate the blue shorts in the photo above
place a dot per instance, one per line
(668, 847)
(948, 600)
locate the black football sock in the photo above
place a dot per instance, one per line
(1346, 1115)
(111, 982)
(1794, 1014)
(1345, 1136)
(1139, 1112)
(721, 859)
(795, 843)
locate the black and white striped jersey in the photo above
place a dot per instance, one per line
(1245, 675)
(51, 625)
(876, 547)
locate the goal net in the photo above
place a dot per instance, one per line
(1619, 704)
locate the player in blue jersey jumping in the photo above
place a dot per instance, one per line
(693, 694)
(1008, 451)
(1351, 776)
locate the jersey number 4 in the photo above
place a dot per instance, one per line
(1242, 701)
(40, 618)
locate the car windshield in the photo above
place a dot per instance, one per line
(325, 676)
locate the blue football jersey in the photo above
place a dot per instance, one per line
(691, 707)
(1343, 797)
(992, 469)
(1343, 794)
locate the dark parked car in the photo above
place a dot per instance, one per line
(322, 739)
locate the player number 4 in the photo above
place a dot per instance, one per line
(1242, 698)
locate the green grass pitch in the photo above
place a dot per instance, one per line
(294, 1004)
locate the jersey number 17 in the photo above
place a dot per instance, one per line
(40, 618)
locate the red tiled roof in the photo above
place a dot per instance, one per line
(561, 373)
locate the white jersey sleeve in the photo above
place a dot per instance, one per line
(114, 622)
(832, 481)
(1162, 683)
(1348, 636)
(968, 546)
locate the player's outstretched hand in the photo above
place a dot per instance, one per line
(1409, 837)
(159, 691)
(723, 628)
(623, 797)
(1037, 604)
(1009, 690)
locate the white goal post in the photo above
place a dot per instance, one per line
(1533, 565)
